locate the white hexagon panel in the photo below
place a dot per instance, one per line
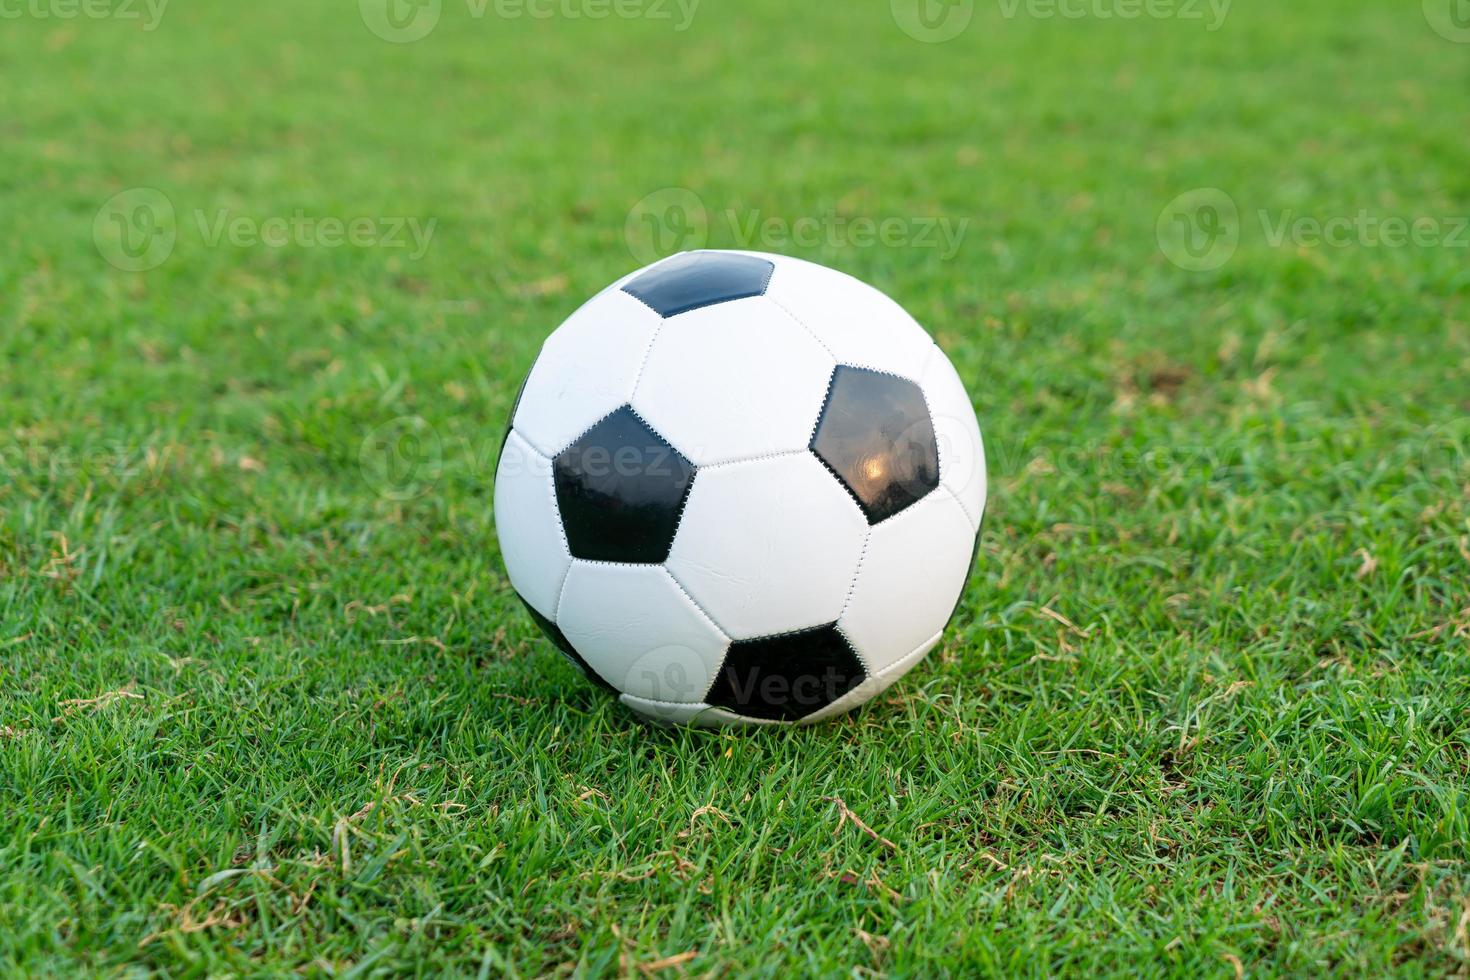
(637, 629)
(769, 546)
(912, 574)
(957, 431)
(586, 370)
(529, 526)
(733, 381)
(856, 323)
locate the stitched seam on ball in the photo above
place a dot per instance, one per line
(630, 565)
(938, 442)
(688, 487)
(859, 697)
(666, 704)
(936, 351)
(583, 434)
(908, 659)
(874, 369)
(711, 302)
(843, 484)
(977, 522)
(770, 271)
(728, 716)
(846, 602)
(643, 363)
(785, 633)
(811, 440)
(748, 719)
(974, 526)
(561, 593)
(627, 292)
(794, 631)
(724, 633)
(561, 530)
(527, 440)
(862, 365)
(857, 573)
(912, 655)
(842, 707)
(862, 660)
(647, 352)
(764, 457)
(802, 324)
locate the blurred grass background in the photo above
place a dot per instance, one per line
(267, 707)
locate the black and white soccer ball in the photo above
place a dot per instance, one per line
(741, 488)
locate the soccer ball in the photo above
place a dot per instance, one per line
(741, 488)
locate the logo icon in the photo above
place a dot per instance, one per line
(400, 21)
(667, 221)
(933, 21)
(1450, 19)
(667, 681)
(961, 457)
(136, 230)
(402, 458)
(1199, 230)
(1445, 453)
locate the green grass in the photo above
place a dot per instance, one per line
(335, 744)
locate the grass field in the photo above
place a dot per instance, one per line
(268, 704)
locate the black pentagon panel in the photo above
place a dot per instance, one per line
(555, 635)
(876, 435)
(786, 677)
(620, 489)
(698, 279)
